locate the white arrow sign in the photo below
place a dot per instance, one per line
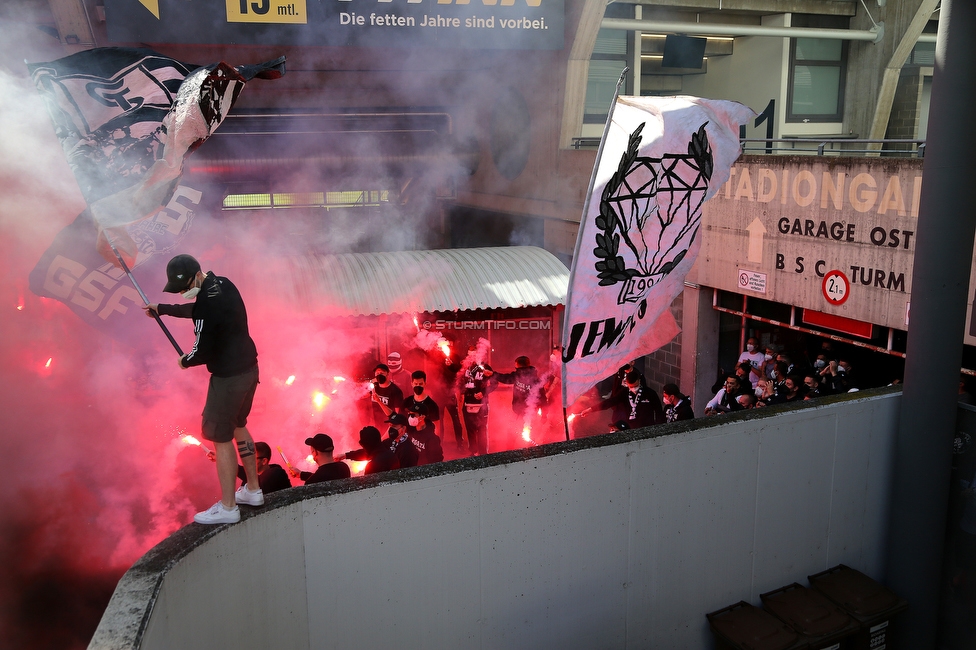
(756, 232)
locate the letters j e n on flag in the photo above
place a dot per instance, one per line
(661, 159)
(127, 118)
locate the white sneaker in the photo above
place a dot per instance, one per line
(245, 496)
(218, 514)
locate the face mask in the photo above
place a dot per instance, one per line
(412, 421)
(750, 347)
(417, 390)
(380, 379)
(190, 294)
(769, 357)
(819, 363)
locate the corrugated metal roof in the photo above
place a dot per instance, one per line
(355, 284)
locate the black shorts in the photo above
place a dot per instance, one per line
(228, 404)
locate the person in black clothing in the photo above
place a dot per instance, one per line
(329, 469)
(474, 406)
(272, 477)
(225, 346)
(380, 457)
(620, 380)
(423, 416)
(638, 406)
(527, 387)
(386, 396)
(400, 441)
(814, 388)
(678, 405)
(444, 386)
(792, 391)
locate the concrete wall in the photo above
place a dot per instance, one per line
(609, 542)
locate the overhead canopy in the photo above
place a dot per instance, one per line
(458, 279)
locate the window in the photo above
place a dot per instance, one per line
(612, 53)
(327, 200)
(818, 71)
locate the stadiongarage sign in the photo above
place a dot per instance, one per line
(465, 24)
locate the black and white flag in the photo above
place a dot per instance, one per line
(127, 118)
(661, 159)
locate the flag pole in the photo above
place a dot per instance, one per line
(579, 234)
(125, 267)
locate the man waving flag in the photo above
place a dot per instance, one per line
(661, 159)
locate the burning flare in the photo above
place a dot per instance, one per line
(190, 440)
(527, 433)
(358, 466)
(290, 380)
(445, 347)
(320, 400)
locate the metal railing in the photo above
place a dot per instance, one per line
(891, 147)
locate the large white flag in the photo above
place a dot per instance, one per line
(661, 159)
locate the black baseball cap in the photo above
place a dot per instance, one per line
(179, 272)
(320, 442)
(396, 418)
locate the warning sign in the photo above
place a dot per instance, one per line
(752, 281)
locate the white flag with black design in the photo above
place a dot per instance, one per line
(127, 118)
(661, 159)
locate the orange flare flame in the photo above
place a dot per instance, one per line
(358, 466)
(190, 440)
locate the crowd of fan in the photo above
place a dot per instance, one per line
(768, 377)
(414, 429)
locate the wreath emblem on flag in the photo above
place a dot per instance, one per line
(653, 207)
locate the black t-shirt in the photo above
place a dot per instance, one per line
(475, 383)
(680, 411)
(427, 409)
(273, 479)
(379, 459)
(391, 396)
(327, 472)
(407, 453)
(527, 392)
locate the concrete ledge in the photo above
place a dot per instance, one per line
(132, 605)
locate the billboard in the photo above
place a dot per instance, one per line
(459, 24)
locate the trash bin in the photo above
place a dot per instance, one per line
(825, 624)
(745, 627)
(867, 601)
